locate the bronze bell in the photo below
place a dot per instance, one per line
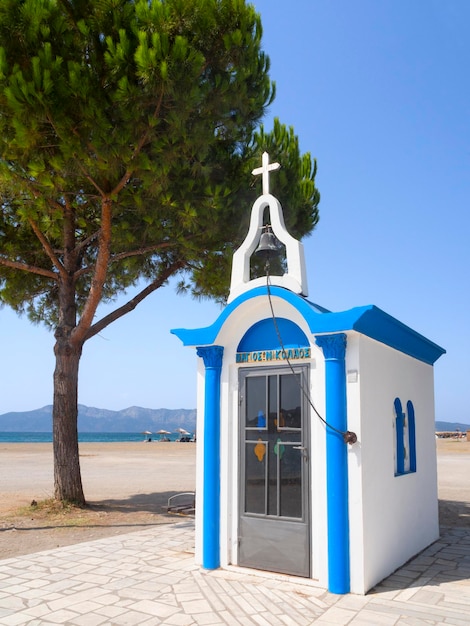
(267, 247)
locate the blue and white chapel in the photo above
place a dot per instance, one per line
(316, 440)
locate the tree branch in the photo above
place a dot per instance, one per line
(47, 247)
(141, 143)
(126, 255)
(28, 268)
(99, 277)
(88, 240)
(140, 251)
(122, 183)
(131, 305)
(91, 180)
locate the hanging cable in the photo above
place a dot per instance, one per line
(348, 436)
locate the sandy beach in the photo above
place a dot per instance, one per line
(127, 486)
(133, 473)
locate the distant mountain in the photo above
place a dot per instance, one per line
(92, 420)
(451, 426)
(132, 419)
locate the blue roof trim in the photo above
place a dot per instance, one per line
(378, 325)
(207, 334)
(368, 320)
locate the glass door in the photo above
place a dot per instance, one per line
(274, 497)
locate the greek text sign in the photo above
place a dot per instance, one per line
(262, 356)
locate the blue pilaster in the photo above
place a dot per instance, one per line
(212, 357)
(334, 351)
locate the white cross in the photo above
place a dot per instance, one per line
(264, 170)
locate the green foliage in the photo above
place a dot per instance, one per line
(154, 106)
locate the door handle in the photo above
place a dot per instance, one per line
(303, 450)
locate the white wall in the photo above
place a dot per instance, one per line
(399, 514)
(391, 518)
(355, 466)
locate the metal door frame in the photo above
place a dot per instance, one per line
(254, 522)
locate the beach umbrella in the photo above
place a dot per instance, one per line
(182, 431)
(163, 434)
(146, 432)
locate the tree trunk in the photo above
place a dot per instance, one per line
(67, 476)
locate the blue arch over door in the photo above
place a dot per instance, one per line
(263, 336)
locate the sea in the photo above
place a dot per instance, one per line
(24, 437)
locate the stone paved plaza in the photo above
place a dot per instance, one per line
(149, 577)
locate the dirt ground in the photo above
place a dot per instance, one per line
(127, 486)
(453, 473)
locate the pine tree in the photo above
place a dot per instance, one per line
(128, 130)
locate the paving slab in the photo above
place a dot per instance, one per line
(150, 577)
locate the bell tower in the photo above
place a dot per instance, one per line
(295, 278)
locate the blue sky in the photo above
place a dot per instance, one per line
(379, 93)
